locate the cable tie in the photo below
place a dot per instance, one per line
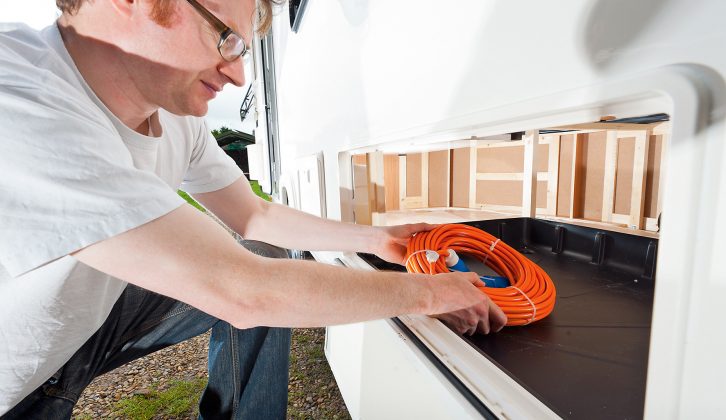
(534, 307)
(491, 250)
(494, 245)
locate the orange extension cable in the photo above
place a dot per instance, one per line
(531, 294)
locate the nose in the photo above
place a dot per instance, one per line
(234, 70)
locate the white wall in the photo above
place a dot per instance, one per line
(361, 70)
(364, 73)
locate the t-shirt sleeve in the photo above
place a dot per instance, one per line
(66, 179)
(210, 169)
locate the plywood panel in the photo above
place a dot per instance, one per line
(391, 179)
(359, 159)
(361, 209)
(594, 173)
(653, 176)
(624, 175)
(460, 176)
(565, 176)
(505, 193)
(439, 173)
(541, 158)
(541, 194)
(500, 159)
(413, 175)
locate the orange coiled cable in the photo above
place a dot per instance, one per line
(531, 294)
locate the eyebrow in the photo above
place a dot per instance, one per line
(218, 25)
(214, 20)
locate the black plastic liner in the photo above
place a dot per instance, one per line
(589, 358)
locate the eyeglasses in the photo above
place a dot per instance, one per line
(231, 46)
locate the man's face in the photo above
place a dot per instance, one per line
(178, 67)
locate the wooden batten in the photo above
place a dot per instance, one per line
(472, 177)
(391, 180)
(402, 177)
(663, 170)
(604, 126)
(576, 178)
(425, 179)
(640, 163)
(553, 173)
(529, 186)
(376, 184)
(611, 162)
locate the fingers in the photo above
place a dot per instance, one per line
(483, 327)
(404, 232)
(478, 282)
(497, 317)
(421, 227)
(474, 320)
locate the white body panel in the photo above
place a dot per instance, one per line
(367, 75)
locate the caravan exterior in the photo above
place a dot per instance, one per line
(588, 134)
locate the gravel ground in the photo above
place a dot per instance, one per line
(313, 393)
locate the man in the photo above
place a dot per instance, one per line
(99, 126)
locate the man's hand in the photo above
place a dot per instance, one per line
(484, 317)
(454, 291)
(392, 241)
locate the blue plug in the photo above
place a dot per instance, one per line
(457, 264)
(495, 281)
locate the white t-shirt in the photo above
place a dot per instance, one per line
(71, 174)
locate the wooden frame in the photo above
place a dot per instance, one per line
(576, 180)
(529, 181)
(611, 162)
(574, 155)
(376, 185)
(635, 218)
(408, 201)
(553, 172)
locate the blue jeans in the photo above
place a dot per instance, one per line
(248, 369)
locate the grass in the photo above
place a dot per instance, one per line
(310, 376)
(191, 201)
(258, 190)
(180, 400)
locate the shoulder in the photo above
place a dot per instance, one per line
(36, 80)
(15, 34)
(21, 45)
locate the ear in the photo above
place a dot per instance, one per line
(125, 8)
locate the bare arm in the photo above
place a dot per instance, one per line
(254, 218)
(187, 256)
